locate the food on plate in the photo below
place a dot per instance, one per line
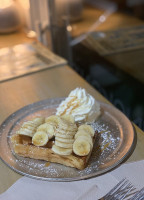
(40, 138)
(81, 105)
(48, 129)
(64, 138)
(29, 128)
(60, 140)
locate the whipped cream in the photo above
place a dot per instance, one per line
(81, 105)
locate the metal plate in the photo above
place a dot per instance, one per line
(114, 142)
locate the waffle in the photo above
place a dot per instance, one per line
(22, 145)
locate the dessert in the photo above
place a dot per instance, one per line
(29, 128)
(81, 105)
(60, 138)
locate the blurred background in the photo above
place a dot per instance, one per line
(102, 40)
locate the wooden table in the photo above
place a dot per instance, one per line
(51, 83)
(11, 39)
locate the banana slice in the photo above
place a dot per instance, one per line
(29, 124)
(40, 138)
(82, 133)
(68, 118)
(66, 125)
(61, 151)
(27, 132)
(63, 145)
(65, 140)
(29, 128)
(81, 147)
(64, 132)
(87, 128)
(63, 136)
(53, 120)
(87, 138)
(48, 128)
(38, 120)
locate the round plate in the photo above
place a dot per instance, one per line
(113, 144)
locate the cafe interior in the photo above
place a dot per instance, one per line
(47, 49)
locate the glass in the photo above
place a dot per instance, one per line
(59, 23)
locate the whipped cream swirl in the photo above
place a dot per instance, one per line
(81, 105)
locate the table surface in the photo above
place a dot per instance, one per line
(16, 93)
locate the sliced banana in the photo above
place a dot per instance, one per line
(63, 145)
(25, 131)
(48, 128)
(63, 136)
(81, 147)
(53, 119)
(87, 128)
(65, 140)
(68, 118)
(64, 132)
(87, 138)
(38, 120)
(29, 124)
(66, 125)
(40, 138)
(61, 151)
(29, 128)
(82, 133)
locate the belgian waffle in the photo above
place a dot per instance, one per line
(22, 145)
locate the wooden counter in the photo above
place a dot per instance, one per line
(11, 39)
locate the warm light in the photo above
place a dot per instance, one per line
(31, 34)
(5, 3)
(25, 4)
(69, 28)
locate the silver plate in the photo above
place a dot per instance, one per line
(114, 143)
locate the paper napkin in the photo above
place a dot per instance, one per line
(94, 188)
(32, 189)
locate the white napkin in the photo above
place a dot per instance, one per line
(94, 188)
(134, 172)
(31, 189)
